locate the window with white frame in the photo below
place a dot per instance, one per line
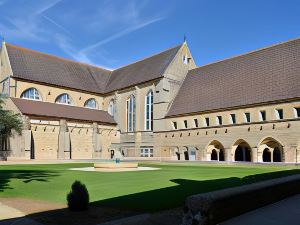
(247, 117)
(91, 103)
(196, 124)
(146, 152)
(130, 113)
(112, 109)
(31, 94)
(279, 114)
(174, 125)
(262, 115)
(297, 112)
(207, 121)
(219, 120)
(5, 87)
(149, 111)
(64, 99)
(233, 118)
(185, 59)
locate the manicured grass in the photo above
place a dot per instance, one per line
(144, 191)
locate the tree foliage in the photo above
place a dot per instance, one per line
(9, 121)
(78, 198)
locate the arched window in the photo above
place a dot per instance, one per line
(91, 103)
(32, 94)
(112, 109)
(64, 99)
(149, 111)
(130, 113)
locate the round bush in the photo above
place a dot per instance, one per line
(78, 198)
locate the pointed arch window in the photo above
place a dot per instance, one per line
(149, 111)
(32, 94)
(64, 99)
(130, 105)
(112, 109)
(91, 103)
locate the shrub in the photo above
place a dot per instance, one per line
(78, 198)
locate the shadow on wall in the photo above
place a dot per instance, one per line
(149, 201)
(25, 175)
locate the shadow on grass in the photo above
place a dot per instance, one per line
(27, 176)
(148, 201)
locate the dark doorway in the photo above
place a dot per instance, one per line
(221, 155)
(242, 154)
(32, 152)
(277, 156)
(266, 155)
(186, 155)
(214, 155)
(178, 155)
(112, 154)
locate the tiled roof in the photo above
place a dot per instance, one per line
(58, 111)
(266, 75)
(144, 70)
(35, 66)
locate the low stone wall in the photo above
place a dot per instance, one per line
(214, 207)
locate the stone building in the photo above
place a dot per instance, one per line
(245, 108)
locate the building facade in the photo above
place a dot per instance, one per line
(245, 108)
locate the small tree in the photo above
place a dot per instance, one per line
(9, 121)
(78, 198)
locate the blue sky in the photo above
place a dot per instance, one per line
(113, 33)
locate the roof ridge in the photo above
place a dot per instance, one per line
(54, 56)
(148, 57)
(247, 53)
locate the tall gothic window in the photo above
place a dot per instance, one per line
(149, 111)
(91, 103)
(112, 109)
(130, 113)
(32, 94)
(64, 99)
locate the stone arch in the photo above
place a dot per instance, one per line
(273, 147)
(242, 151)
(215, 151)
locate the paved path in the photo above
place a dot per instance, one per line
(12, 216)
(285, 212)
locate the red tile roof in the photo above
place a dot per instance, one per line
(266, 75)
(59, 111)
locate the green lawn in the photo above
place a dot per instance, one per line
(145, 191)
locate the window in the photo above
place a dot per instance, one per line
(297, 112)
(112, 109)
(91, 103)
(131, 113)
(279, 114)
(219, 120)
(247, 117)
(233, 118)
(207, 121)
(175, 125)
(146, 152)
(64, 99)
(262, 116)
(196, 123)
(185, 124)
(185, 59)
(5, 87)
(149, 111)
(32, 94)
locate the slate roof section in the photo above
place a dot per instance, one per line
(266, 75)
(141, 71)
(39, 67)
(59, 111)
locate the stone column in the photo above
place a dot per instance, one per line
(290, 153)
(227, 156)
(298, 154)
(255, 155)
(63, 140)
(96, 140)
(26, 133)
